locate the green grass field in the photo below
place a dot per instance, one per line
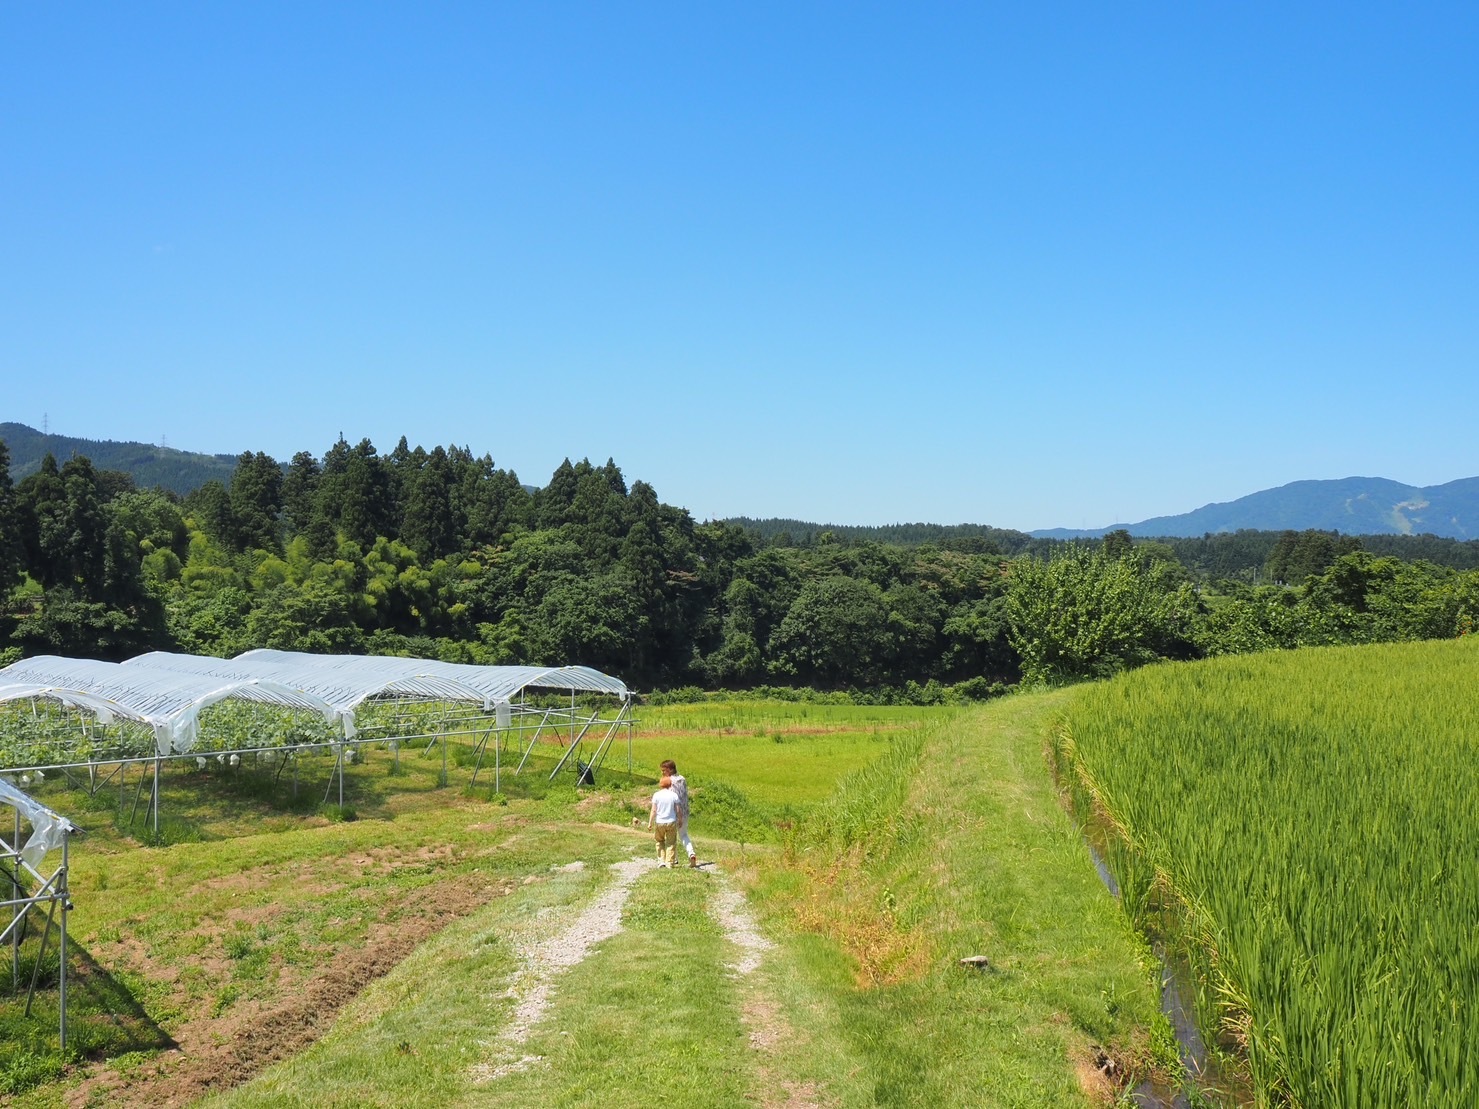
(302, 961)
(1303, 824)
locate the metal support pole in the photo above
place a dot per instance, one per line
(482, 750)
(156, 799)
(572, 749)
(339, 771)
(15, 910)
(40, 957)
(62, 971)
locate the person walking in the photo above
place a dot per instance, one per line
(662, 821)
(680, 787)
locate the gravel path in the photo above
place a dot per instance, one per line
(739, 927)
(542, 959)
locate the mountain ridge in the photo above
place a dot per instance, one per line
(1352, 506)
(149, 465)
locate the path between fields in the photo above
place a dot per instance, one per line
(544, 959)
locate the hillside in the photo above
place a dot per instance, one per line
(149, 465)
(1353, 506)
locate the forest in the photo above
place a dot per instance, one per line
(442, 554)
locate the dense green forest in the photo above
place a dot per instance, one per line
(149, 465)
(441, 553)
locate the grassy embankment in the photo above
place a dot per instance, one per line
(941, 842)
(1302, 824)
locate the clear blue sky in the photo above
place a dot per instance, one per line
(1025, 265)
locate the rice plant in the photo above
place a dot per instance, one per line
(1311, 814)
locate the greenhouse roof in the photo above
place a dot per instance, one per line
(105, 710)
(344, 688)
(167, 691)
(494, 683)
(346, 680)
(170, 703)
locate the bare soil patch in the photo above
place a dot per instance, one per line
(214, 1053)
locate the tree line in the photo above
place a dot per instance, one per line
(441, 553)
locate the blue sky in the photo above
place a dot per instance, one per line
(1024, 265)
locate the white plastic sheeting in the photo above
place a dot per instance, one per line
(495, 683)
(169, 703)
(48, 830)
(167, 691)
(344, 687)
(102, 708)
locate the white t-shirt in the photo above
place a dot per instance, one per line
(665, 801)
(680, 787)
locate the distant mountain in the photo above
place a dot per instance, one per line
(1352, 505)
(178, 471)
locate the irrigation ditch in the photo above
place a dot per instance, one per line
(1175, 989)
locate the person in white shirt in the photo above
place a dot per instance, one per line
(680, 787)
(662, 821)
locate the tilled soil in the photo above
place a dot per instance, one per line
(221, 1052)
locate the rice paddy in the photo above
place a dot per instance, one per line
(1304, 822)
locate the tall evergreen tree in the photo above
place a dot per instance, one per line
(367, 509)
(299, 486)
(67, 544)
(10, 528)
(552, 503)
(429, 526)
(256, 501)
(210, 505)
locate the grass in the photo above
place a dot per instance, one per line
(955, 846)
(1303, 824)
(754, 767)
(909, 837)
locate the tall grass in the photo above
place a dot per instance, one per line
(1312, 816)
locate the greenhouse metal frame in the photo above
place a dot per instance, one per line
(165, 693)
(21, 861)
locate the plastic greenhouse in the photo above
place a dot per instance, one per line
(103, 723)
(102, 716)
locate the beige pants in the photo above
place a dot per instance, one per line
(667, 843)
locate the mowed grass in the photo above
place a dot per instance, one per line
(912, 837)
(955, 845)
